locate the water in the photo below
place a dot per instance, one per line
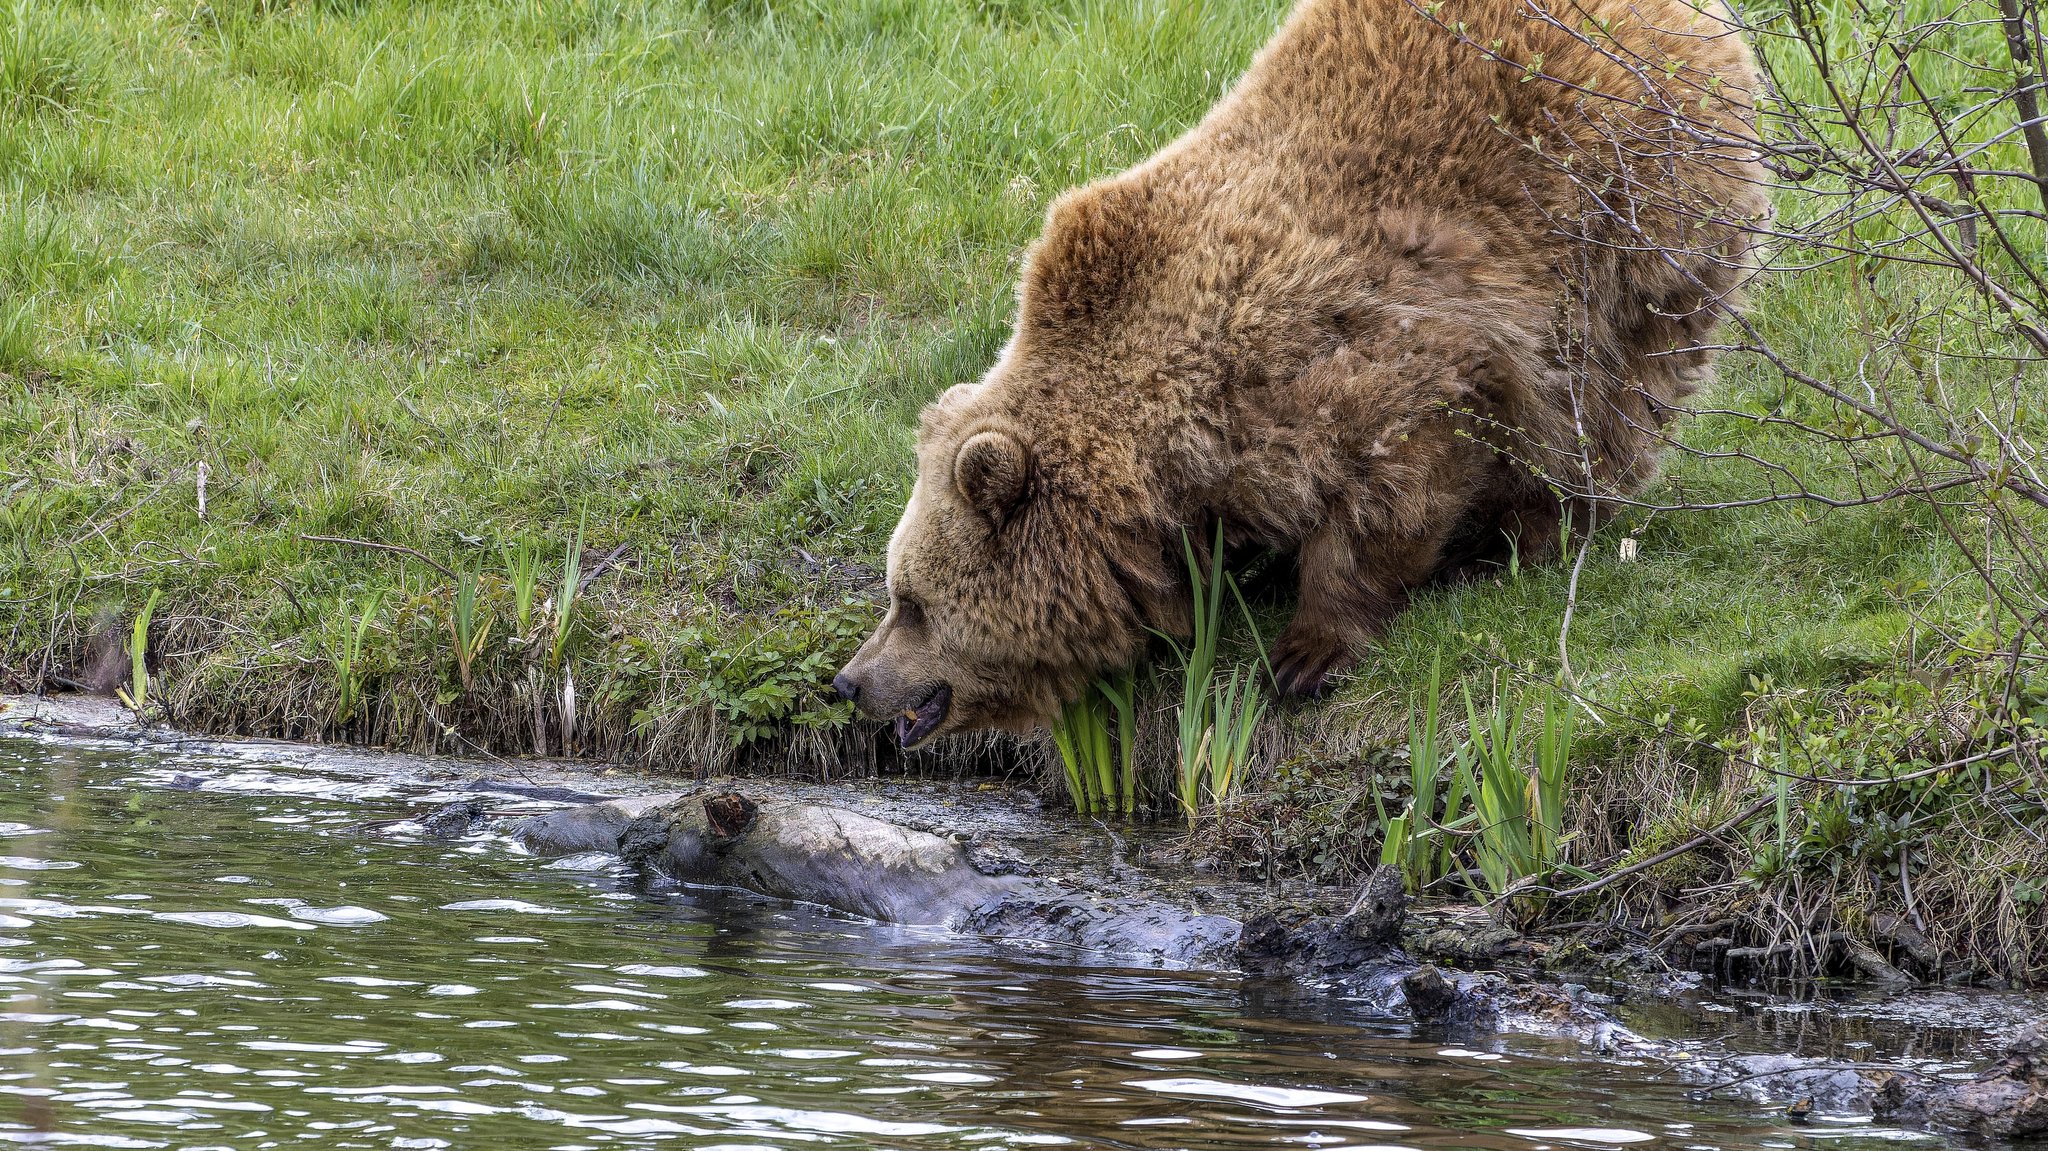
(198, 953)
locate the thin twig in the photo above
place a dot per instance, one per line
(400, 549)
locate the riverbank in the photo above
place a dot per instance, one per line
(611, 323)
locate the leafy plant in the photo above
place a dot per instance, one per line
(779, 678)
(469, 625)
(136, 695)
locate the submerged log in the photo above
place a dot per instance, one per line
(833, 857)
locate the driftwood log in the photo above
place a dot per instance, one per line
(826, 855)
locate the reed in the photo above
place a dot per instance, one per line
(347, 657)
(1096, 735)
(1218, 719)
(1414, 841)
(469, 624)
(135, 696)
(566, 595)
(522, 575)
(1517, 812)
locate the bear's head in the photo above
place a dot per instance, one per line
(1033, 554)
(1006, 593)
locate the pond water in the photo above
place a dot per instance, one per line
(196, 952)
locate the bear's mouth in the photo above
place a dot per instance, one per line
(915, 725)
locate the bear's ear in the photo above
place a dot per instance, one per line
(992, 470)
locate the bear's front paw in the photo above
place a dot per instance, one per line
(1306, 658)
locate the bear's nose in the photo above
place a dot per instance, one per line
(847, 687)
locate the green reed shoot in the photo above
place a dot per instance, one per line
(1082, 733)
(1235, 720)
(1518, 812)
(1198, 675)
(136, 695)
(1121, 693)
(1217, 720)
(347, 656)
(1412, 841)
(469, 625)
(522, 573)
(565, 597)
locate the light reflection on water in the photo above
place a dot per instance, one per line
(226, 963)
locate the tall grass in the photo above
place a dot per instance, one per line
(346, 656)
(566, 595)
(1090, 757)
(1515, 780)
(469, 624)
(522, 575)
(1493, 797)
(47, 63)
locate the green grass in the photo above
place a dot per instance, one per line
(457, 276)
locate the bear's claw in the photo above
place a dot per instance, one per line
(1304, 661)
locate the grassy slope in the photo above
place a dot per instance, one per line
(457, 274)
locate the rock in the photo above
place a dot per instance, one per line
(2008, 1101)
(591, 827)
(1381, 910)
(1907, 941)
(813, 853)
(453, 820)
(992, 858)
(818, 853)
(1434, 1001)
(1142, 931)
(1865, 959)
(1304, 943)
(1462, 936)
(1789, 1081)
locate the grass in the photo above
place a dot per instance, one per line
(1516, 780)
(511, 281)
(451, 275)
(135, 696)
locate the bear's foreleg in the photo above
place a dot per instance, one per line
(1352, 583)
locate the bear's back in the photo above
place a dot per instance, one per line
(1364, 105)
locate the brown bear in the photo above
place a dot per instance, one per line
(1430, 276)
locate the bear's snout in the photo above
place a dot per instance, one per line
(847, 687)
(918, 709)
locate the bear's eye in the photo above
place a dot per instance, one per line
(909, 612)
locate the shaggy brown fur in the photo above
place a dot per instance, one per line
(1395, 289)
